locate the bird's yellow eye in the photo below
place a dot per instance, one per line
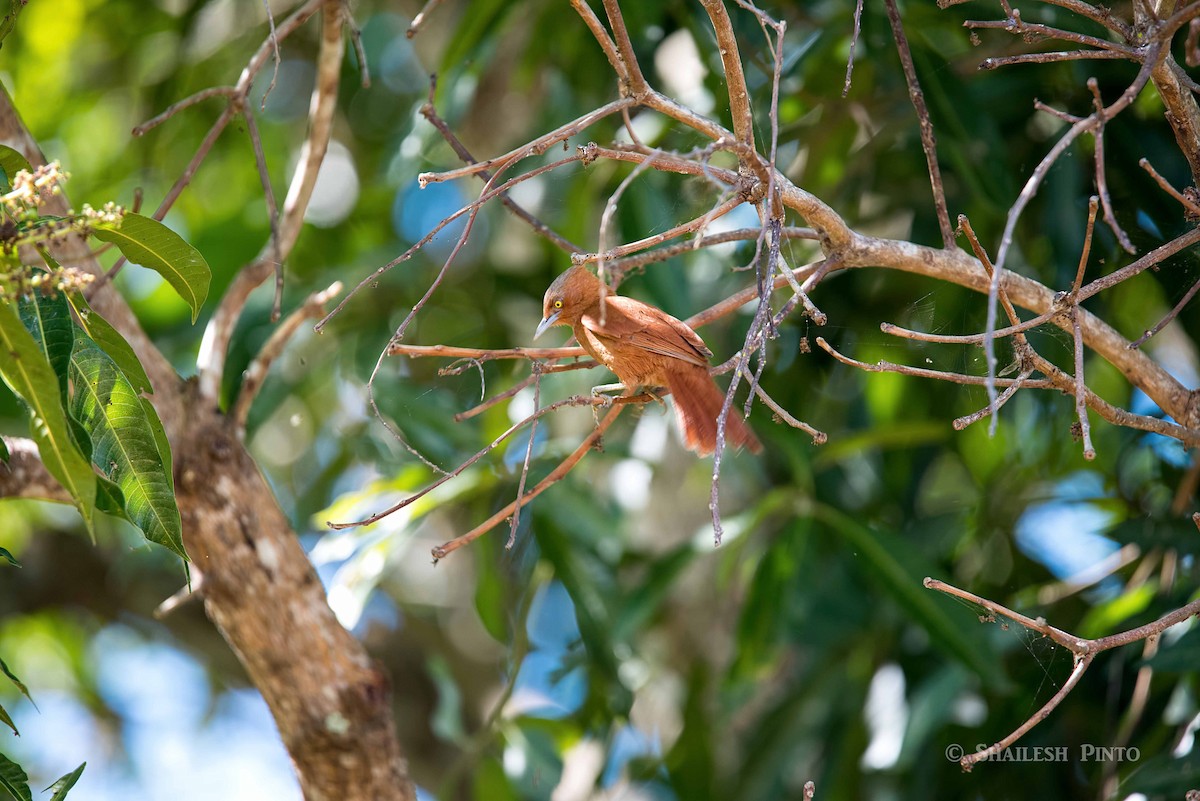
(558, 304)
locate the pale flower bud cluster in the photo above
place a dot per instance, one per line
(31, 188)
(110, 213)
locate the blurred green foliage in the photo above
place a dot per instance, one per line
(678, 670)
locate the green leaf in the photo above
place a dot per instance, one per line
(8, 557)
(160, 439)
(12, 162)
(64, 784)
(28, 373)
(48, 321)
(111, 341)
(8, 721)
(110, 499)
(899, 569)
(4, 454)
(148, 242)
(13, 678)
(123, 443)
(14, 780)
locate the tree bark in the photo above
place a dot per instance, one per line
(330, 700)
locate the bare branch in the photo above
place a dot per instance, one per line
(691, 226)
(735, 78)
(1171, 315)
(1085, 652)
(256, 373)
(215, 344)
(928, 141)
(858, 8)
(430, 113)
(630, 71)
(997, 62)
(1101, 177)
(442, 551)
(1190, 206)
(602, 38)
(534, 148)
(414, 27)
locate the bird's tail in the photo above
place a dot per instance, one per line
(698, 402)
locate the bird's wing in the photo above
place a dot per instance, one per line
(644, 326)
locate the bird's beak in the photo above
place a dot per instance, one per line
(546, 323)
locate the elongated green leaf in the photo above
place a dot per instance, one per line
(4, 455)
(8, 721)
(111, 341)
(9, 22)
(160, 439)
(63, 785)
(12, 162)
(28, 373)
(898, 568)
(148, 242)
(14, 780)
(123, 442)
(13, 678)
(48, 321)
(8, 557)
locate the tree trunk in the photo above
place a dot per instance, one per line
(330, 700)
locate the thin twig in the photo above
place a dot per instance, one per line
(602, 38)
(534, 148)
(264, 176)
(429, 112)
(1101, 176)
(187, 102)
(214, 345)
(442, 551)
(273, 37)
(415, 26)
(631, 71)
(1085, 652)
(997, 62)
(256, 373)
(516, 515)
(624, 265)
(1171, 315)
(928, 141)
(858, 8)
(691, 226)
(1191, 207)
(574, 400)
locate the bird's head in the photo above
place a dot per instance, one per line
(568, 298)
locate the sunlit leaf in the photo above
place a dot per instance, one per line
(12, 162)
(148, 242)
(64, 784)
(13, 678)
(28, 373)
(111, 341)
(124, 445)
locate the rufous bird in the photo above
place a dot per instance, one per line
(646, 347)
